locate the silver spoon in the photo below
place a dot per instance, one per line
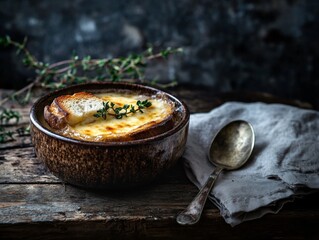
(230, 149)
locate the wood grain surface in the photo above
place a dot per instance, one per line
(34, 204)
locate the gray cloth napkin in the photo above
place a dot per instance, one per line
(284, 163)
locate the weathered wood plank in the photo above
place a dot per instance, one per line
(20, 165)
(18, 142)
(36, 211)
(147, 229)
(54, 202)
(23, 203)
(164, 229)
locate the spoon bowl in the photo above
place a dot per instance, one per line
(232, 145)
(230, 149)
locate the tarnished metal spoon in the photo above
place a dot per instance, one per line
(230, 149)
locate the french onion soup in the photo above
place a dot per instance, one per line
(114, 115)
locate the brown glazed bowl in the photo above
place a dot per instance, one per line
(108, 164)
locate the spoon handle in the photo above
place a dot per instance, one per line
(192, 213)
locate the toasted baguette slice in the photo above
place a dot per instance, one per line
(72, 109)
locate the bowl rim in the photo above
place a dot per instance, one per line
(37, 123)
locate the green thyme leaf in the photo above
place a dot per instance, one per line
(120, 112)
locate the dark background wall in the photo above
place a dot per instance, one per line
(260, 45)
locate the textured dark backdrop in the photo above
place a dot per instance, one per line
(261, 45)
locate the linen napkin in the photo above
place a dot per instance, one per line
(284, 163)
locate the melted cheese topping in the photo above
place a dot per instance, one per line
(111, 129)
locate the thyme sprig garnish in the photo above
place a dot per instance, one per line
(7, 115)
(5, 135)
(77, 70)
(7, 118)
(120, 112)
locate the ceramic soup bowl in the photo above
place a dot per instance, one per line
(108, 164)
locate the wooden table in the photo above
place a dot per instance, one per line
(34, 204)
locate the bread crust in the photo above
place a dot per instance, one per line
(55, 118)
(57, 114)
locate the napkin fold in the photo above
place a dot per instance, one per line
(284, 163)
